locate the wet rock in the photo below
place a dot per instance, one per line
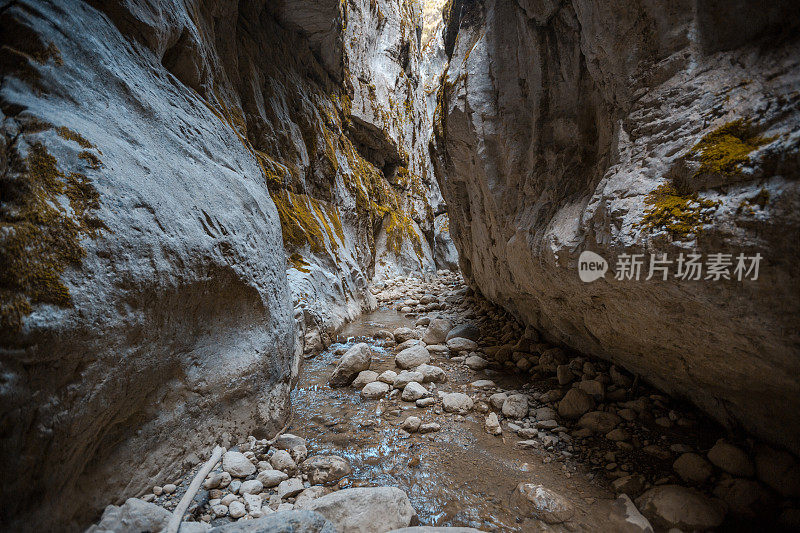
(413, 392)
(476, 362)
(364, 378)
(387, 376)
(542, 503)
(575, 403)
(456, 402)
(412, 357)
(325, 469)
(431, 374)
(283, 461)
(375, 390)
(355, 360)
(271, 478)
(464, 331)
(460, 344)
(779, 470)
(515, 406)
(673, 506)
(402, 335)
(437, 331)
(692, 468)
(744, 497)
(237, 465)
(407, 376)
(599, 421)
(626, 518)
(384, 334)
(134, 516)
(492, 425)
(295, 521)
(290, 487)
(731, 459)
(365, 509)
(411, 424)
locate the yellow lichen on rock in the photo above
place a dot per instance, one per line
(727, 148)
(39, 237)
(680, 214)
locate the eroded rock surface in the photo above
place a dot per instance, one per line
(667, 131)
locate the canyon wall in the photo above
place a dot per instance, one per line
(193, 195)
(635, 128)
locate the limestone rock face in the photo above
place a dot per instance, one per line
(667, 132)
(157, 174)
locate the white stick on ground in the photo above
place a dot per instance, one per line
(177, 515)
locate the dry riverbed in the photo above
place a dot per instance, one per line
(480, 424)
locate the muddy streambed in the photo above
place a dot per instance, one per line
(458, 476)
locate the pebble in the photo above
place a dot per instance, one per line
(460, 344)
(271, 478)
(731, 459)
(375, 390)
(282, 460)
(412, 357)
(237, 510)
(387, 376)
(497, 399)
(252, 486)
(237, 465)
(413, 392)
(543, 503)
(456, 402)
(364, 377)
(429, 427)
(290, 487)
(411, 424)
(673, 506)
(692, 468)
(492, 425)
(515, 406)
(575, 403)
(476, 362)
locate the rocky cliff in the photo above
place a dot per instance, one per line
(176, 177)
(635, 128)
